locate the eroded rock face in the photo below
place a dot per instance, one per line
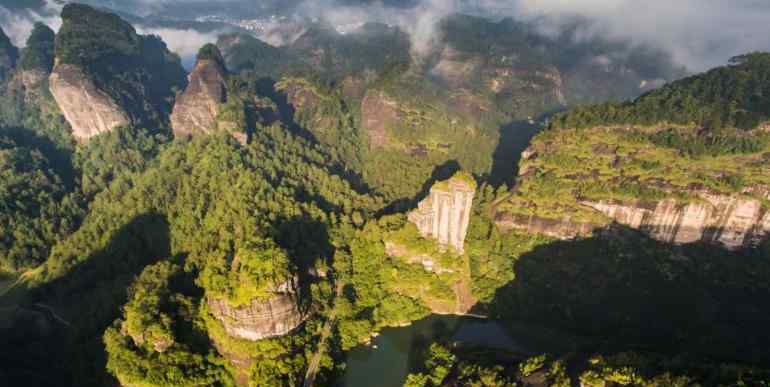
(377, 112)
(444, 215)
(8, 55)
(89, 110)
(258, 320)
(730, 220)
(197, 108)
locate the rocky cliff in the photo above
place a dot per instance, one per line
(197, 108)
(88, 109)
(733, 221)
(275, 316)
(444, 215)
(575, 182)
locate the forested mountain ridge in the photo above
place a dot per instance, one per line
(223, 260)
(366, 94)
(672, 163)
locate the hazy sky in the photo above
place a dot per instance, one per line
(698, 33)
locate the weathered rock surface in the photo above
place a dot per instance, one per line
(258, 320)
(730, 220)
(377, 112)
(554, 228)
(197, 108)
(733, 221)
(444, 215)
(89, 110)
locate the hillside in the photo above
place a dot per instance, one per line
(254, 221)
(667, 172)
(366, 97)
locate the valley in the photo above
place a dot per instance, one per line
(501, 209)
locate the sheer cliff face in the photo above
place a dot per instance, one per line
(575, 182)
(197, 108)
(8, 55)
(275, 316)
(732, 221)
(88, 109)
(444, 215)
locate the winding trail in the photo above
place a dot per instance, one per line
(315, 362)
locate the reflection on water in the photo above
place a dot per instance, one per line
(386, 362)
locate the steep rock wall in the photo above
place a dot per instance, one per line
(89, 110)
(444, 215)
(258, 320)
(730, 220)
(196, 109)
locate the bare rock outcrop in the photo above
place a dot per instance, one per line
(275, 316)
(377, 113)
(197, 108)
(730, 220)
(89, 110)
(444, 215)
(733, 221)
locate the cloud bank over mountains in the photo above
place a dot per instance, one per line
(698, 33)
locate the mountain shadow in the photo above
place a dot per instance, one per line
(67, 350)
(514, 139)
(630, 292)
(440, 173)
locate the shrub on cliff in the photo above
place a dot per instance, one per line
(39, 52)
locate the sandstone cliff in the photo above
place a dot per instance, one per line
(275, 316)
(730, 220)
(444, 215)
(88, 109)
(197, 108)
(575, 182)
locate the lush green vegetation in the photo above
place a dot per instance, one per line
(736, 96)
(35, 208)
(479, 368)
(160, 341)
(39, 51)
(570, 166)
(8, 55)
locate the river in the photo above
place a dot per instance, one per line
(386, 362)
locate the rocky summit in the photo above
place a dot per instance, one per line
(196, 109)
(89, 110)
(445, 213)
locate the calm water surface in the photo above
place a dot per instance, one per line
(387, 361)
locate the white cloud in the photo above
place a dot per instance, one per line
(183, 42)
(18, 24)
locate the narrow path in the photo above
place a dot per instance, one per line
(315, 362)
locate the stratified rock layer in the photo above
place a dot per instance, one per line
(197, 108)
(89, 110)
(258, 320)
(444, 215)
(730, 220)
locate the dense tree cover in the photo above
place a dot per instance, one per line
(570, 166)
(441, 366)
(9, 54)
(38, 54)
(252, 272)
(210, 52)
(111, 154)
(35, 208)
(139, 72)
(735, 96)
(209, 200)
(160, 342)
